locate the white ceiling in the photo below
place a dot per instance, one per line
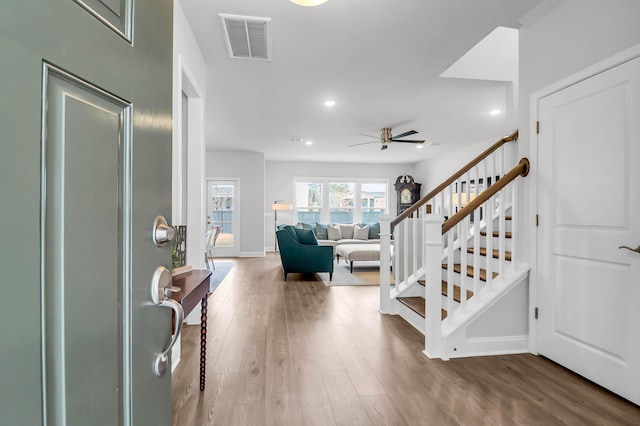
(380, 60)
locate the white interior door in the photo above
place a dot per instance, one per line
(85, 169)
(223, 212)
(588, 290)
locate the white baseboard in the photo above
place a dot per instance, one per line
(252, 254)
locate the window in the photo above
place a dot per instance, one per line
(327, 200)
(373, 198)
(308, 201)
(341, 198)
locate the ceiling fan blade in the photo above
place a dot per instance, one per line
(407, 141)
(384, 146)
(364, 143)
(369, 136)
(402, 135)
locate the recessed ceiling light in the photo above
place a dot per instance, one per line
(419, 146)
(309, 2)
(309, 142)
(297, 139)
(329, 103)
(495, 112)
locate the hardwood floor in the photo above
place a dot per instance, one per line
(298, 353)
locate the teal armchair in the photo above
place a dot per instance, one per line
(299, 253)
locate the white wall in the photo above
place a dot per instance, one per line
(280, 176)
(433, 171)
(249, 168)
(189, 75)
(553, 45)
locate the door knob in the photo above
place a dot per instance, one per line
(162, 232)
(637, 249)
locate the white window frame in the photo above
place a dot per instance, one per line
(325, 181)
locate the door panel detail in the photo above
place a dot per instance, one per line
(86, 278)
(115, 14)
(587, 191)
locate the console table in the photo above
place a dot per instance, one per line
(194, 288)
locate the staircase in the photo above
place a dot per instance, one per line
(443, 267)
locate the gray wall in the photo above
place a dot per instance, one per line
(249, 167)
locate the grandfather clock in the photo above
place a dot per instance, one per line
(408, 192)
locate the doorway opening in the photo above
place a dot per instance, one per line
(223, 213)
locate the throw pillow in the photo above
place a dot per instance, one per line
(346, 230)
(361, 232)
(374, 231)
(333, 232)
(306, 226)
(321, 231)
(306, 236)
(291, 230)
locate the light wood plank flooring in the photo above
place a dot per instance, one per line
(299, 353)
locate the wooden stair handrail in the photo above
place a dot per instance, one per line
(513, 136)
(522, 169)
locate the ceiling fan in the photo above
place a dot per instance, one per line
(386, 138)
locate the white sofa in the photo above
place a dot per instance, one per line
(337, 234)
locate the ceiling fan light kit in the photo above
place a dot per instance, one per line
(309, 2)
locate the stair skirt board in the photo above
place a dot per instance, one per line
(410, 316)
(482, 329)
(493, 325)
(487, 346)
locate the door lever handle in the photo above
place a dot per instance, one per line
(637, 249)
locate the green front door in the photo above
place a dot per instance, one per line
(85, 167)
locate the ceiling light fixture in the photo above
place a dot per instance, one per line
(329, 103)
(309, 2)
(419, 146)
(495, 112)
(309, 142)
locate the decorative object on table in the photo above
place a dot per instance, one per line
(278, 205)
(179, 251)
(408, 192)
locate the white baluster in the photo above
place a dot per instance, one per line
(450, 261)
(476, 252)
(385, 264)
(514, 220)
(405, 248)
(501, 232)
(464, 229)
(490, 209)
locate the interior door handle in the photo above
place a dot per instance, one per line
(637, 249)
(160, 289)
(162, 359)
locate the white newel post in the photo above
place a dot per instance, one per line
(432, 261)
(385, 263)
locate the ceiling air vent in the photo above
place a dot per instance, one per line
(247, 37)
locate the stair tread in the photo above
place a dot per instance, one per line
(456, 291)
(457, 268)
(416, 304)
(496, 253)
(496, 234)
(444, 289)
